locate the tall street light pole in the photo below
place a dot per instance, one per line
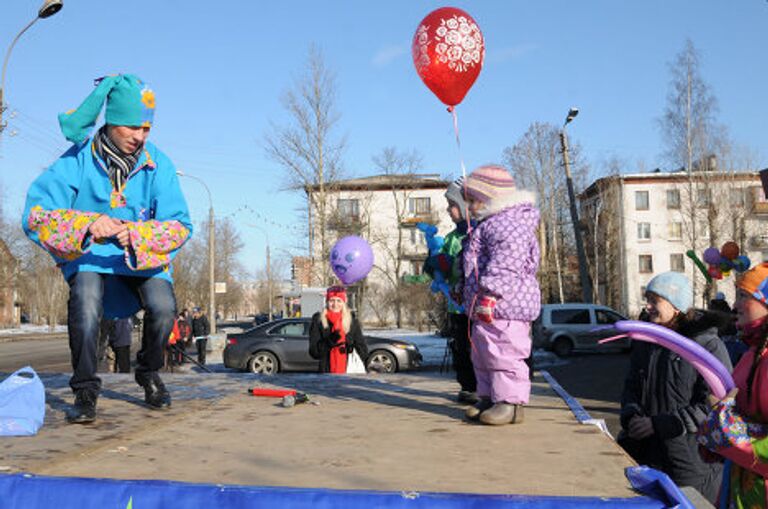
(211, 254)
(269, 270)
(586, 284)
(48, 9)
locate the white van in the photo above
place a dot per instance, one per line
(564, 328)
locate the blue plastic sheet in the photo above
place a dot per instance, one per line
(658, 485)
(37, 492)
(22, 403)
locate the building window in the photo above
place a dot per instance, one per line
(703, 229)
(349, 209)
(676, 262)
(643, 231)
(703, 198)
(673, 199)
(417, 238)
(642, 292)
(646, 264)
(675, 231)
(416, 267)
(641, 200)
(737, 198)
(419, 206)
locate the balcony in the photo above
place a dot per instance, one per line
(345, 224)
(412, 219)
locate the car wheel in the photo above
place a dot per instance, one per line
(381, 361)
(563, 347)
(263, 363)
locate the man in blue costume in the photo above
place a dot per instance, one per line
(111, 213)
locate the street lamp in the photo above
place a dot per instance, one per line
(269, 269)
(48, 9)
(211, 254)
(586, 284)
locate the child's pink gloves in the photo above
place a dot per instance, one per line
(484, 309)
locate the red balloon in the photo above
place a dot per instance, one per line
(448, 52)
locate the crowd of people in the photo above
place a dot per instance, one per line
(111, 213)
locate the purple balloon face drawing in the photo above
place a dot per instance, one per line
(351, 259)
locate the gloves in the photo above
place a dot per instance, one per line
(484, 308)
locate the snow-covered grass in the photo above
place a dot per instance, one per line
(32, 329)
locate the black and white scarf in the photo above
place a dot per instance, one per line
(119, 164)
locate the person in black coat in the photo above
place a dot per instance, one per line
(665, 398)
(201, 329)
(335, 333)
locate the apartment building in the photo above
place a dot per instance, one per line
(384, 210)
(639, 225)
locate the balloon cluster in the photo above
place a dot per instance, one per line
(439, 265)
(721, 261)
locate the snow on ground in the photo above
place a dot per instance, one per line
(32, 329)
(433, 347)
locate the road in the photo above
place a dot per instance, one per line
(596, 380)
(43, 354)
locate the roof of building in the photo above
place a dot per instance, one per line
(388, 182)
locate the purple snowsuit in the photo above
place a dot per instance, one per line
(501, 258)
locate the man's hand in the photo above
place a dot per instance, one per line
(122, 235)
(640, 427)
(104, 227)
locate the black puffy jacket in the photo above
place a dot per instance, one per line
(322, 340)
(663, 386)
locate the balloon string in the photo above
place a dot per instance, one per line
(469, 311)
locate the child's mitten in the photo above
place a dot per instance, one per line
(484, 308)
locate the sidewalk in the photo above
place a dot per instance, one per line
(375, 432)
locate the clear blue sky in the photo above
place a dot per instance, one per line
(219, 69)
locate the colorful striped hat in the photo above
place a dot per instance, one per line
(489, 182)
(130, 102)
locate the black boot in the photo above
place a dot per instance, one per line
(84, 409)
(155, 393)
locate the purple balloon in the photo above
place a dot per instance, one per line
(351, 259)
(712, 256)
(709, 367)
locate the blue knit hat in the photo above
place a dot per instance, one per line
(675, 287)
(130, 102)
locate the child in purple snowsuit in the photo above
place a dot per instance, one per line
(501, 293)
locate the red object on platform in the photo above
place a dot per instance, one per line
(448, 52)
(272, 393)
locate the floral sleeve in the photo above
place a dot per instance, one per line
(153, 242)
(62, 232)
(729, 434)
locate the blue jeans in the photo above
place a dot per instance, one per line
(86, 290)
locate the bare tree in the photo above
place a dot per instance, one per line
(691, 135)
(400, 169)
(536, 163)
(306, 147)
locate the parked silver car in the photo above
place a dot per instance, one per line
(564, 328)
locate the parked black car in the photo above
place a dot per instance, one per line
(283, 345)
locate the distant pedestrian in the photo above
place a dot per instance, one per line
(500, 292)
(120, 341)
(201, 330)
(665, 399)
(335, 333)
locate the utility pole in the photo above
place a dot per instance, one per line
(269, 281)
(211, 263)
(586, 284)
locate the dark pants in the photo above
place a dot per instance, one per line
(202, 345)
(122, 359)
(86, 292)
(461, 351)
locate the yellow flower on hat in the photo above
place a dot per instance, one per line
(148, 98)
